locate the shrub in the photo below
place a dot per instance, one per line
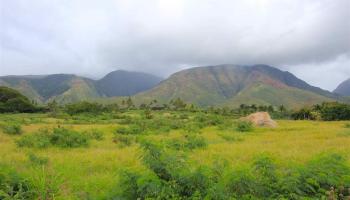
(40, 139)
(66, 138)
(12, 129)
(244, 126)
(13, 186)
(37, 160)
(324, 172)
(130, 130)
(193, 127)
(240, 183)
(60, 137)
(195, 141)
(84, 107)
(188, 142)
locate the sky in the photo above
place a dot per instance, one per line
(310, 38)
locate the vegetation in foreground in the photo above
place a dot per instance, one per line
(171, 151)
(169, 154)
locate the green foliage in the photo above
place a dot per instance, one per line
(178, 104)
(67, 138)
(148, 114)
(244, 126)
(130, 130)
(37, 160)
(328, 111)
(335, 111)
(39, 139)
(168, 176)
(84, 107)
(12, 128)
(14, 186)
(13, 101)
(60, 137)
(324, 172)
(188, 142)
(194, 141)
(47, 184)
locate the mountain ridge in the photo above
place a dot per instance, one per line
(66, 88)
(217, 85)
(221, 84)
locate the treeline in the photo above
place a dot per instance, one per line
(174, 105)
(12, 101)
(328, 111)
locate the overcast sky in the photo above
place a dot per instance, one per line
(310, 38)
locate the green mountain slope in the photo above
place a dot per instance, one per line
(125, 83)
(45, 88)
(232, 85)
(13, 101)
(66, 88)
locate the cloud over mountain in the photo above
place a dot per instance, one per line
(309, 38)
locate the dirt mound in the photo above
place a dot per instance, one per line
(261, 119)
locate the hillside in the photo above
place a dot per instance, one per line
(344, 88)
(13, 101)
(65, 88)
(232, 85)
(125, 83)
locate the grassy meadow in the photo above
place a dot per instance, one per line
(139, 143)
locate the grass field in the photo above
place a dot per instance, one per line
(93, 171)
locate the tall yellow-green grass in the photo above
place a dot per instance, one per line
(93, 171)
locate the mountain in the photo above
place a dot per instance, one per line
(125, 83)
(66, 88)
(344, 88)
(231, 85)
(62, 87)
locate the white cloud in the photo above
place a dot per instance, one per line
(162, 36)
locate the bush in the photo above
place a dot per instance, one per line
(60, 137)
(12, 129)
(130, 130)
(188, 142)
(324, 172)
(13, 186)
(66, 138)
(40, 139)
(193, 127)
(244, 126)
(169, 177)
(84, 107)
(195, 141)
(37, 160)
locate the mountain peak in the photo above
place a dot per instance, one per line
(343, 88)
(232, 85)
